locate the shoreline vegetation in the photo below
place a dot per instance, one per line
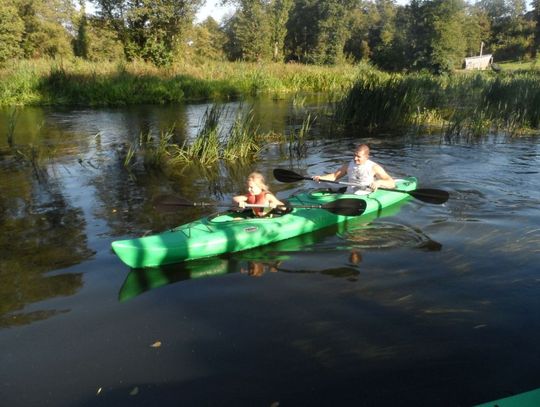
(464, 104)
(470, 103)
(81, 83)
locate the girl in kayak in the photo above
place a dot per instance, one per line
(259, 194)
(362, 171)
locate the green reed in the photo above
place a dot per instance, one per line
(467, 103)
(241, 143)
(298, 139)
(205, 147)
(81, 83)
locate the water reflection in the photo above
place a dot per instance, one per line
(388, 235)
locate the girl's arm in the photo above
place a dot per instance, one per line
(240, 200)
(273, 201)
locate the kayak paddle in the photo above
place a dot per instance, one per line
(428, 195)
(343, 206)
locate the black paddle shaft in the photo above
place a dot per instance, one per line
(428, 195)
(342, 206)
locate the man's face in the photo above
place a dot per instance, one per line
(360, 157)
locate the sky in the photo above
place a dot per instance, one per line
(212, 9)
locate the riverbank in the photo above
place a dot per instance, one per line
(80, 83)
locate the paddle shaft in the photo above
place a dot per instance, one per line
(344, 206)
(353, 184)
(428, 195)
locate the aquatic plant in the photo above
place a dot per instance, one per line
(241, 142)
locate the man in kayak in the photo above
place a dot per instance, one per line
(259, 194)
(362, 171)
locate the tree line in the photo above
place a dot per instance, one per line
(431, 35)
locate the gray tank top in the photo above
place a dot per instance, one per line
(360, 174)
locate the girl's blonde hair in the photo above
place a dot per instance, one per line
(257, 177)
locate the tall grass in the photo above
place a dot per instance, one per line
(241, 143)
(205, 148)
(468, 103)
(298, 138)
(81, 83)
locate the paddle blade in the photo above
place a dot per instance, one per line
(288, 176)
(346, 207)
(429, 195)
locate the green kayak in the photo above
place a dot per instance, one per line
(228, 232)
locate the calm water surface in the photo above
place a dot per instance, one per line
(427, 305)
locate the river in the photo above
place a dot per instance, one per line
(426, 305)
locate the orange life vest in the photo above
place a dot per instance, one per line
(258, 200)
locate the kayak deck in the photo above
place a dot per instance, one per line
(230, 232)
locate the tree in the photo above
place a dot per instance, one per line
(47, 25)
(208, 40)
(447, 45)
(332, 30)
(253, 31)
(318, 30)
(512, 36)
(476, 30)
(280, 16)
(102, 41)
(536, 14)
(356, 46)
(149, 29)
(80, 45)
(11, 31)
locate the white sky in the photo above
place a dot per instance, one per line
(212, 9)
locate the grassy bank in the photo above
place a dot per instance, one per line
(80, 83)
(471, 103)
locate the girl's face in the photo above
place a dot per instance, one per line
(253, 187)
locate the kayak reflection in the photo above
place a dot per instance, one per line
(139, 281)
(293, 255)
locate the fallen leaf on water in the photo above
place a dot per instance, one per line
(134, 392)
(156, 344)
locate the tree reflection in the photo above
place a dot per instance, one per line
(41, 232)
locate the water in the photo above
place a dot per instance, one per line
(428, 305)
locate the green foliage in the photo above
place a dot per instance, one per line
(83, 83)
(208, 40)
(253, 33)
(11, 31)
(317, 31)
(280, 15)
(102, 43)
(471, 104)
(447, 44)
(45, 23)
(148, 29)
